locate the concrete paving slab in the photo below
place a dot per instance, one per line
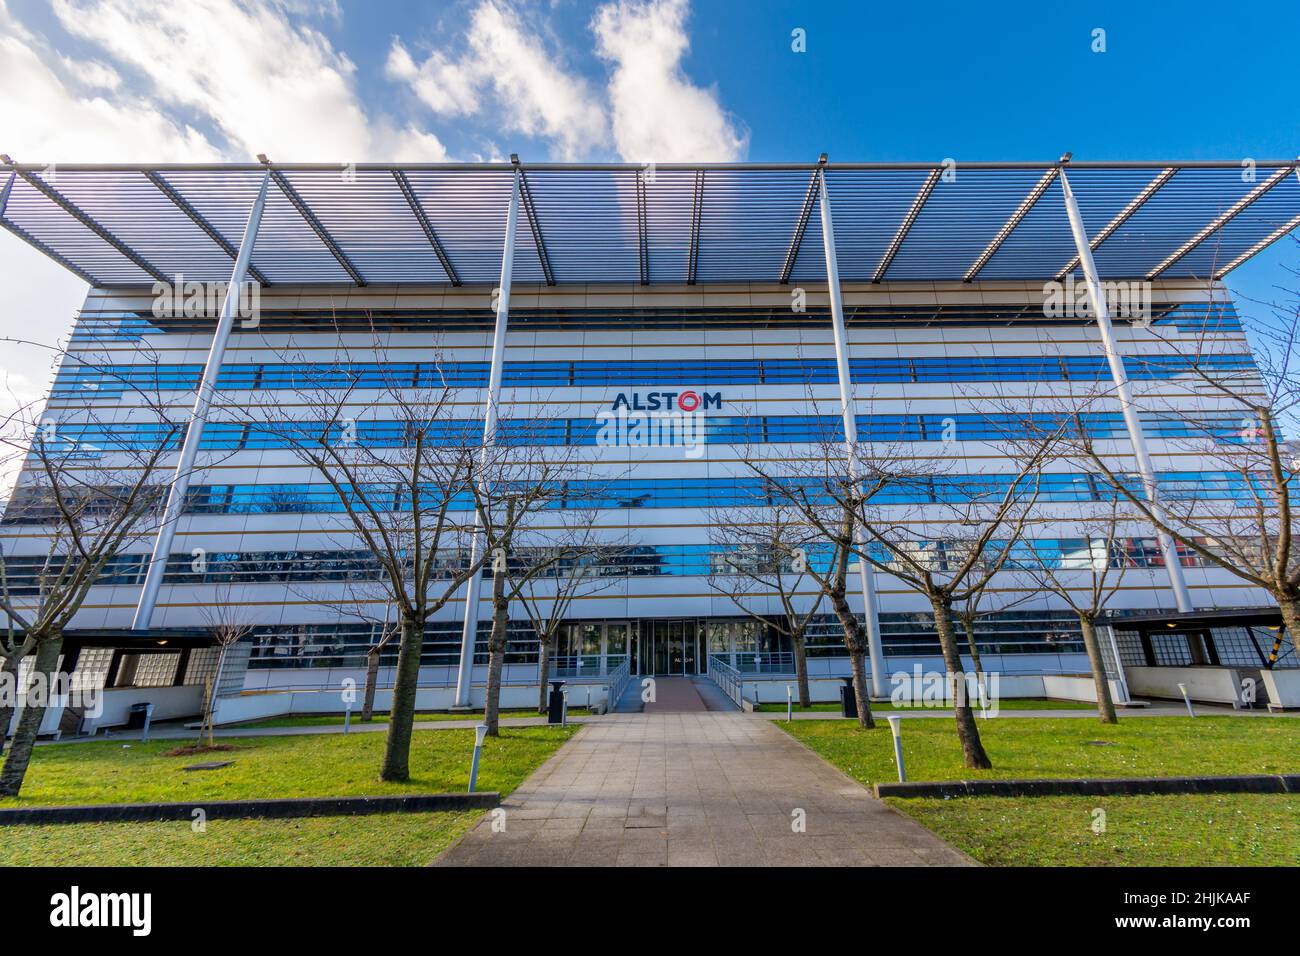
(696, 788)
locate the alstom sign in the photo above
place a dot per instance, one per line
(687, 400)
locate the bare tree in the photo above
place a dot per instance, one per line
(89, 489)
(228, 625)
(975, 607)
(771, 548)
(524, 549)
(427, 498)
(951, 546)
(1245, 519)
(1059, 567)
(584, 566)
(405, 484)
(825, 491)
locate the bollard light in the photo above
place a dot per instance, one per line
(347, 717)
(1187, 700)
(789, 704)
(148, 719)
(896, 728)
(564, 719)
(480, 732)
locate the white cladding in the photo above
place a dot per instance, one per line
(637, 597)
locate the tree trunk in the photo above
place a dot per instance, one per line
(967, 732)
(801, 669)
(372, 682)
(397, 750)
(1105, 706)
(29, 724)
(1290, 607)
(857, 658)
(211, 709)
(496, 654)
(858, 664)
(969, 627)
(10, 677)
(543, 672)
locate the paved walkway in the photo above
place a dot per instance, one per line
(694, 789)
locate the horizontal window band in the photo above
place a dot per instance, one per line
(711, 374)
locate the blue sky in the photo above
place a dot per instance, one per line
(638, 80)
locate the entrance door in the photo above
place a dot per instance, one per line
(669, 647)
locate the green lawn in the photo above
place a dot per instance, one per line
(1191, 830)
(1235, 829)
(279, 766)
(1062, 747)
(285, 766)
(1020, 703)
(390, 839)
(336, 720)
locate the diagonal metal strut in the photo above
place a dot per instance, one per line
(317, 226)
(697, 213)
(1010, 225)
(905, 227)
(1122, 217)
(79, 214)
(801, 227)
(213, 233)
(1231, 213)
(526, 201)
(418, 211)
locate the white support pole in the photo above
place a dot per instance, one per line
(469, 634)
(848, 408)
(1097, 298)
(194, 430)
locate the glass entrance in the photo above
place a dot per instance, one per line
(669, 647)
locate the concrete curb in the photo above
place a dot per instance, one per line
(1112, 787)
(251, 809)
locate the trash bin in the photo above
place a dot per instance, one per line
(848, 700)
(137, 716)
(555, 703)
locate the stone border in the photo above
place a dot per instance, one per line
(1102, 787)
(251, 809)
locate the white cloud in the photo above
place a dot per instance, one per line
(658, 114)
(251, 79)
(532, 92)
(51, 115)
(266, 82)
(447, 88)
(499, 72)
(53, 111)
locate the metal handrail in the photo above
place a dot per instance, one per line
(728, 679)
(618, 681)
(766, 662)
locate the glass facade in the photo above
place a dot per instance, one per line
(935, 379)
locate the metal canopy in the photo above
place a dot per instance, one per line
(379, 224)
